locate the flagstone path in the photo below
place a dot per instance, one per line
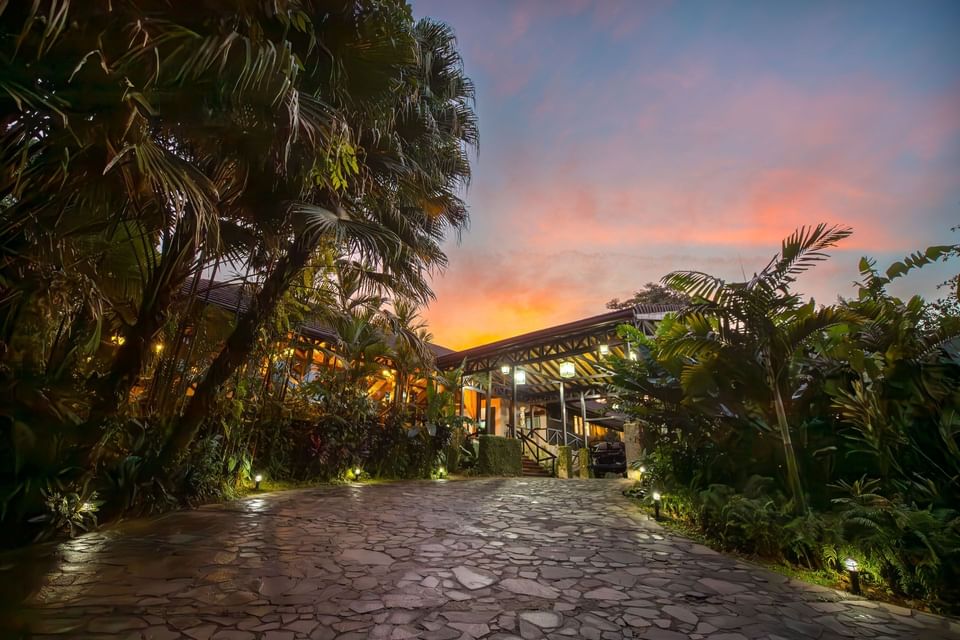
(490, 558)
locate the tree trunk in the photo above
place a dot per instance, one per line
(113, 390)
(237, 348)
(793, 469)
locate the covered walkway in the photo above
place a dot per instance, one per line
(550, 386)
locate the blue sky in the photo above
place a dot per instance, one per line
(622, 140)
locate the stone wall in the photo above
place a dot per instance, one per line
(564, 462)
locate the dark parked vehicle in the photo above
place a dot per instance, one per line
(608, 457)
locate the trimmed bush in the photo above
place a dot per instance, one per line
(500, 456)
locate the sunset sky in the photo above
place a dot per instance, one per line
(621, 140)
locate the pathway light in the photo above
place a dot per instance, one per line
(158, 347)
(853, 570)
(656, 505)
(257, 479)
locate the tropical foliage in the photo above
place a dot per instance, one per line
(805, 432)
(312, 153)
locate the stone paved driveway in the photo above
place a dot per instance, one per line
(497, 558)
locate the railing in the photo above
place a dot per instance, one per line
(536, 450)
(555, 437)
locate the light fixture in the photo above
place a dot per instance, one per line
(357, 472)
(632, 355)
(643, 469)
(117, 340)
(520, 376)
(158, 347)
(441, 472)
(567, 369)
(656, 505)
(853, 570)
(256, 479)
(505, 369)
(604, 349)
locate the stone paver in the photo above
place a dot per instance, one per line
(492, 558)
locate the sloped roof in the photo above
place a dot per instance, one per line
(234, 297)
(577, 327)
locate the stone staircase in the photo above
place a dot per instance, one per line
(531, 468)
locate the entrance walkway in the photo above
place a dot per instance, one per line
(498, 558)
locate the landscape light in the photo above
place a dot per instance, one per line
(656, 505)
(567, 369)
(257, 478)
(643, 469)
(853, 569)
(118, 340)
(633, 355)
(158, 347)
(505, 369)
(442, 472)
(357, 472)
(520, 376)
(604, 349)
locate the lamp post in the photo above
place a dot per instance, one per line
(656, 505)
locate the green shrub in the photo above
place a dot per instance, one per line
(500, 456)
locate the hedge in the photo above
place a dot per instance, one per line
(500, 456)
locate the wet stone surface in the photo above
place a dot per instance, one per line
(522, 558)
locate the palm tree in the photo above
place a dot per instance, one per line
(752, 332)
(146, 118)
(397, 194)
